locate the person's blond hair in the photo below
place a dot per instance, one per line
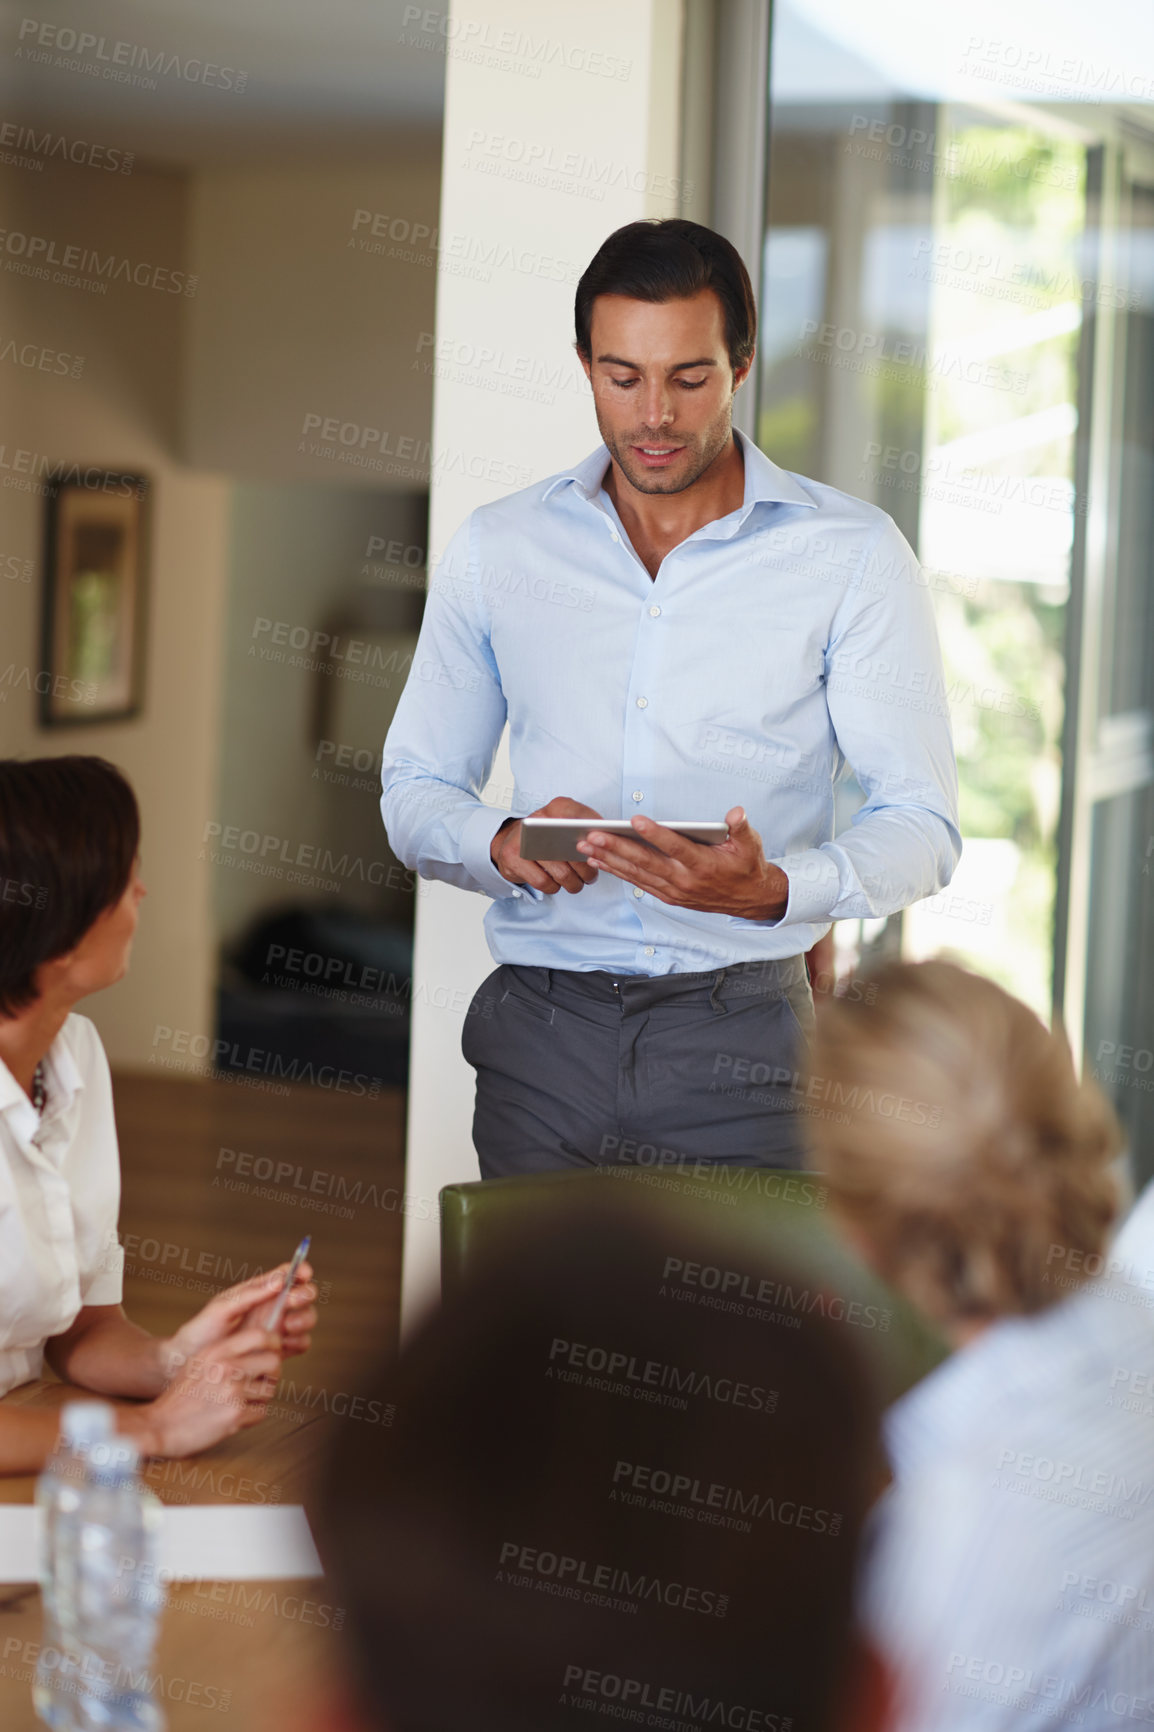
(958, 1143)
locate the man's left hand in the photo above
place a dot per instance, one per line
(731, 877)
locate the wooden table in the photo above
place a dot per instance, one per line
(230, 1654)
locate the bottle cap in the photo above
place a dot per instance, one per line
(84, 1423)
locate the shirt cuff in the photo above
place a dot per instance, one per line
(105, 1286)
(814, 887)
(476, 840)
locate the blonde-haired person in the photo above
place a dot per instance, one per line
(1011, 1573)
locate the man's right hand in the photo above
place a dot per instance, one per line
(548, 876)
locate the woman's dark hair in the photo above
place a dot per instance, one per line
(670, 259)
(69, 833)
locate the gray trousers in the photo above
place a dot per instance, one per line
(578, 1070)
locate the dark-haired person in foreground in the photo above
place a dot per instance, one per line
(1011, 1586)
(70, 894)
(672, 628)
(599, 1503)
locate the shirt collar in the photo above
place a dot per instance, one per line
(765, 484)
(64, 1083)
(64, 1078)
(1010, 1355)
(922, 1421)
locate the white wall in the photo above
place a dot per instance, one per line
(521, 165)
(302, 311)
(121, 413)
(296, 554)
(289, 313)
(315, 286)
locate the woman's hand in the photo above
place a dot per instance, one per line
(213, 1394)
(299, 1318)
(247, 1306)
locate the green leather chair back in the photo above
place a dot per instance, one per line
(765, 1210)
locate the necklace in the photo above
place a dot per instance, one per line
(39, 1088)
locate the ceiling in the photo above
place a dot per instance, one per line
(325, 79)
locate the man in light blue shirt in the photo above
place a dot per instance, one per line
(674, 628)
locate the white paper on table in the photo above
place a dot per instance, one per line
(220, 1542)
(198, 1542)
(19, 1543)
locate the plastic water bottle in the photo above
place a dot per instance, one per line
(118, 1594)
(106, 1597)
(58, 1494)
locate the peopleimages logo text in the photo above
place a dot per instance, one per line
(583, 1687)
(610, 1579)
(650, 1376)
(713, 1500)
(118, 58)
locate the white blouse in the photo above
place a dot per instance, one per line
(59, 1201)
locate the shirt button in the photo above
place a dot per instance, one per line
(649, 950)
(615, 535)
(638, 892)
(653, 612)
(643, 703)
(637, 794)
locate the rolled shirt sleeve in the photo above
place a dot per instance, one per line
(59, 1201)
(94, 1160)
(887, 700)
(440, 748)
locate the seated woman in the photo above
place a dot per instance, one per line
(70, 893)
(1011, 1584)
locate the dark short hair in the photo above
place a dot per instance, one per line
(69, 833)
(493, 1554)
(669, 259)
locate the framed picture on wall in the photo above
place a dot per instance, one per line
(94, 600)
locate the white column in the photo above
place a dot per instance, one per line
(561, 124)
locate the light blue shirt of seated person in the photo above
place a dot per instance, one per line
(775, 648)
(1009, 1577)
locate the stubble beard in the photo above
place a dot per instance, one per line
(702, 449)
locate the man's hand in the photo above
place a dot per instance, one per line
(732, 877)
(548, 876)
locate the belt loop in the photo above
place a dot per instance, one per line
(719, 982)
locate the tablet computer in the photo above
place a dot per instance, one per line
(557, 838)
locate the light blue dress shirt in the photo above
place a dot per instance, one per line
(775, 647)
(1009, 1581)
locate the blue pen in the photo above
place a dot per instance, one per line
(299, 1256)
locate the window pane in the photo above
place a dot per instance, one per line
(1127, 675)
(1119, 1047)
(922, 309)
